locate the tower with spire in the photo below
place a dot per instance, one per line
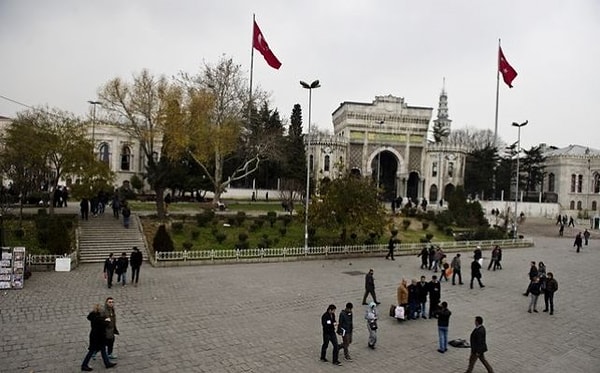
(441, 125)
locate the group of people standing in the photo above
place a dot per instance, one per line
(120, 266)
(541, 282)
(97, 205)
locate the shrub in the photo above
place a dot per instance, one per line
(264, 242)
(242, 245)
(405, 223)
(287, 219)
(429, 236)
(243, 236)
(240, 217)
(162, 240)
(220, 237)
(448, 231)
(425, 225)
(282, 231)
(187, 245)
(272, 217)
(53, 234)
(19, 233)
(214, 231)
(195, 234)
(231, 220)
(177, 227)
(253, 227)
(394, 231)
(204, 217)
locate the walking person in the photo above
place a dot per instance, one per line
(455, 265)
(98, 324)
(549, 290)
(586, 236)
(534, 290)
(111, 326)
(371, 317)
(370, 287)
(391, 246)
(476, 273)
(578, 241)
(110, 265)
(443, 323)
(478, 346)
(424, 254)
(84, 207)
(126, 211)
(345, 329)
(328, 323)
(494, 260)
(116, 205)
(561, 230)
(135, 259)
(122, 264)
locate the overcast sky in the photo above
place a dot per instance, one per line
(58, 53)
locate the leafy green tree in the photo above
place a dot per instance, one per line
(479, 171)
(465, 213)
(57, 146)
(206, 117)
(349, 204)
(505, 172)
(293, 182)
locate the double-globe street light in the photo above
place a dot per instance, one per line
(518, 125)
(310, 87)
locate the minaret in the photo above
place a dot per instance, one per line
(442, 116)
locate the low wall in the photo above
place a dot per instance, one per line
(530, 209)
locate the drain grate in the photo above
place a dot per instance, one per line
(354, 273)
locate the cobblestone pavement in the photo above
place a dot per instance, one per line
(266, 317)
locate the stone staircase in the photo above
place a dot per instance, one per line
(102, 235)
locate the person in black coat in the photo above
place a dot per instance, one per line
(476, 273)
(97, 338)
(328, 323)
(478, 346)
(424, 254)
(345, 328)
(434, 289)
(135, 259)
(422, 290)
(578, 241)
(110, 264)
(122, 264)
(370, 287)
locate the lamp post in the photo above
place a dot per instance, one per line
(517, 177)
(310, 87)
(94, 103)
(589, 183)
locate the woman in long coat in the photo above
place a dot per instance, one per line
(98, 322)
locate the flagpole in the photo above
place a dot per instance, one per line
(251, 67)
(497, 94)
(496, 117)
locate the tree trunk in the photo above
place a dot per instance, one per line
(160, 205)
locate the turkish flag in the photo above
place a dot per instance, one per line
(508, 73)
(260, 44)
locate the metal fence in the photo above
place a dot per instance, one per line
(321, 252)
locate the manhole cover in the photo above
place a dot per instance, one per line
(354, 273)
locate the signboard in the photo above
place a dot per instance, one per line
(12, 268)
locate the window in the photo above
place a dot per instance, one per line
(125, 158)
(572, 205)
(578, 205)
(596, 183)
(551, 182)
(104, 155)
(450, 168)
(573, 182)
(434, 169)
(579, 183)
(326, 166)
(594, 206)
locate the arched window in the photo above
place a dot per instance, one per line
(125, 158)
(596, 182)
(573, 183)
(578, 205)
(572, 205)
(551, 182)
(579, 183)
(326, 166)
(434, 169)
(104, 155)
(594, 206)
(433, 193)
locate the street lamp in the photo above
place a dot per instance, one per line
(91, 102)
(310, 87)
(517, 183)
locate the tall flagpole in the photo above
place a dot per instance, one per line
(496, 117)
(497, 90)
(251, 67)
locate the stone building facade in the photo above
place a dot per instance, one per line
(387, 140)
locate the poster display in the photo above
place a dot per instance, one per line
(12, 268)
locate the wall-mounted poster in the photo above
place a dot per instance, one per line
(18, 267)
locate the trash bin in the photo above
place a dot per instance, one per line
(62, 265)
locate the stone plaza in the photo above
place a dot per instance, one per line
(266, 317)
